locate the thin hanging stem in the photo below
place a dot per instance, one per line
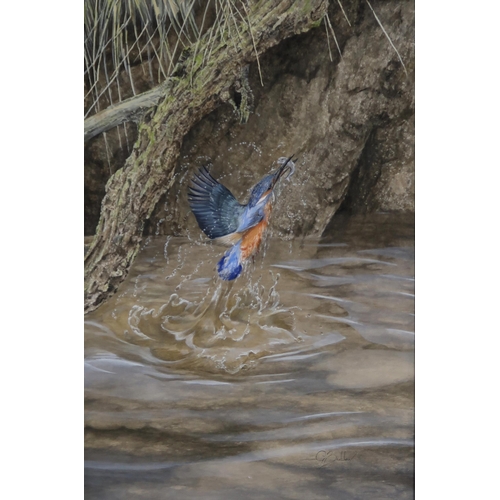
(333, 33)
(388, 37)
(254, 44)
(343, 11)
(328, 42)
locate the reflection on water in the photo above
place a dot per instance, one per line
(294, 381)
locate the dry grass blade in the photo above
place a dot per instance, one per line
(343, 11)
(388, 37)
(150, 46)
(180, 34)
(236, 25)
(333, 33)
(126, 30)
(254, 44)
(223, 23)
(114, 77)
(197, 46)
(328, 42)
(211, 39)
(128, 69)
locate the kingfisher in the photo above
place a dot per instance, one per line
(226, 221)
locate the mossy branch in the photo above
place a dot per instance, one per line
(132, 109)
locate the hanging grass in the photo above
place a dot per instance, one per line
(120, 34)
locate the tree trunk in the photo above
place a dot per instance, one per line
(195, 89)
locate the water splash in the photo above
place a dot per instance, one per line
(227, 330)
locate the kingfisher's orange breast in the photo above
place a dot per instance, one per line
(252, 238)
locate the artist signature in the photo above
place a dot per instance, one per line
(325, 457)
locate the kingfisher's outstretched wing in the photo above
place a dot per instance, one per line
(218, 213)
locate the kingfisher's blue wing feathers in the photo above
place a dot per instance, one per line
(215, 208)
(251, 217)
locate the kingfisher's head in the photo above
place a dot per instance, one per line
(263, 190)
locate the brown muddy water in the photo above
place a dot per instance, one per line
(295, 381)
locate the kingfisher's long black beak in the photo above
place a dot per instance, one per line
(288, 167)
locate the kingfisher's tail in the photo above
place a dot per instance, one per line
(229, 267)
